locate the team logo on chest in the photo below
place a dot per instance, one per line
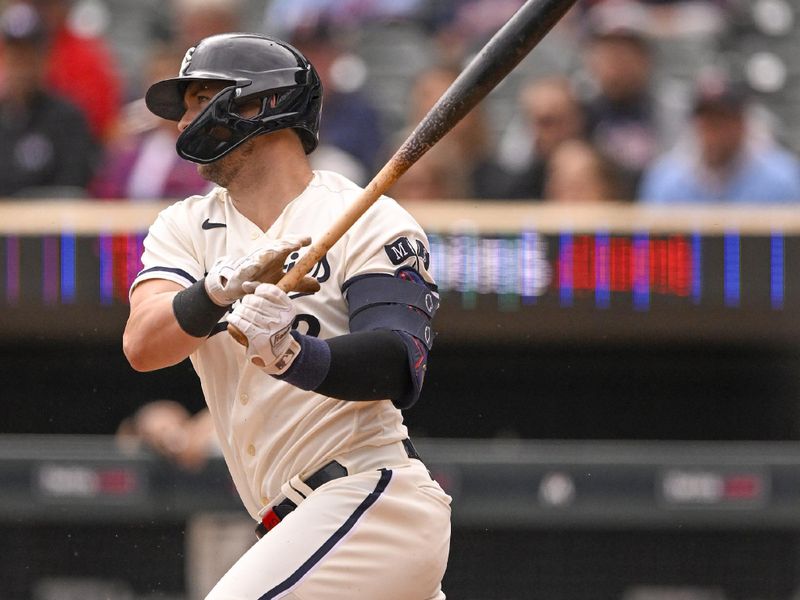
(321, 271)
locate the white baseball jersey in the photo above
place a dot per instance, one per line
(269, 430)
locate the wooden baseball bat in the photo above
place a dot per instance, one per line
(497, 58)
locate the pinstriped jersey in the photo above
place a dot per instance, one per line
(268, 429)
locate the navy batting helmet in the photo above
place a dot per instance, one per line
(253, 67)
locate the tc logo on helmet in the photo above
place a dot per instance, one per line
(187, 60)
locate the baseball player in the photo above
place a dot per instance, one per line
(308, 415)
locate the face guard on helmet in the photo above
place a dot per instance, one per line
(252, 67)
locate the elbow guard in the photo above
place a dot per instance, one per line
(405, 304)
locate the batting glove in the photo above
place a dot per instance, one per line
(265, 316)
(225, 280)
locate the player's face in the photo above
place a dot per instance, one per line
(196, 97)
(223, 172)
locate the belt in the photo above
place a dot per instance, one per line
(332, 470)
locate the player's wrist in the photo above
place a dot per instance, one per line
(311, 364)
(218, 290)
(284, 354)
(195, 311)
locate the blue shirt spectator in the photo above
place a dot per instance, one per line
(769, 175)
(727, 164)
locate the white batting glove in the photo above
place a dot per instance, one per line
(225, 280)
(265, 316)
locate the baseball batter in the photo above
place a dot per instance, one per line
(309, 414)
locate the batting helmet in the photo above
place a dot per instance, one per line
(253, 67)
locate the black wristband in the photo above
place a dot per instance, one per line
(195, 312)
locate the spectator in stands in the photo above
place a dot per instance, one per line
(577, 172)
(726, 163)
(167, 428)
(628, 118)
(438, 175)
(45, 142)
(554, 115)
(81, 67)
(673, 19)
(350, 122)
(142, 163)
(467, 150)
(461, 27)
(198, 19)
(283, 17)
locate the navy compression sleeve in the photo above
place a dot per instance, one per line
(369, 365)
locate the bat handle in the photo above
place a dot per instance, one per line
(237, 335)
(287, 283)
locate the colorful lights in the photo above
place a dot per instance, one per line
(605, 271)
(639, 271)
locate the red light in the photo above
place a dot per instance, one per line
(742, 487)
(117, 482)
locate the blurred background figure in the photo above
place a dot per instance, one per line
(725, 162)
(142, 164)
(198, 19)
(438, 175)
(46, 147)
(461, 27)
(577, 172)
(351, 123)
(167, 428)
(553, 115)
(464, 166)
(283, 17)
(81, 65)
(629, 117)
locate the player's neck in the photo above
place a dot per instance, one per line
(277, 173)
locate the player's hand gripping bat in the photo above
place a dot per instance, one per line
(496, 59)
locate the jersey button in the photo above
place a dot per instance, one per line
(255, 235)
(244, 398)
(251, 450)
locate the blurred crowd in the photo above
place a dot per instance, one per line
(626, 100)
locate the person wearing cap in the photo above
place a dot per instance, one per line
(630, 114)
(47, 146)
(81, 67)
(725, 162)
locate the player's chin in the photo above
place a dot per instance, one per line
(216, 172)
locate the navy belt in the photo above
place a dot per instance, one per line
(333, 470)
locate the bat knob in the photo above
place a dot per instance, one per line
(236, 334)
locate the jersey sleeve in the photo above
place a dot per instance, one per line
(169, 252)
(386, 240)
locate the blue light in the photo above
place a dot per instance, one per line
(565, 270)
(777, 271)
(641, 272)
(733, 291)
(697, 267)
(68, 268)
(106, 269)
